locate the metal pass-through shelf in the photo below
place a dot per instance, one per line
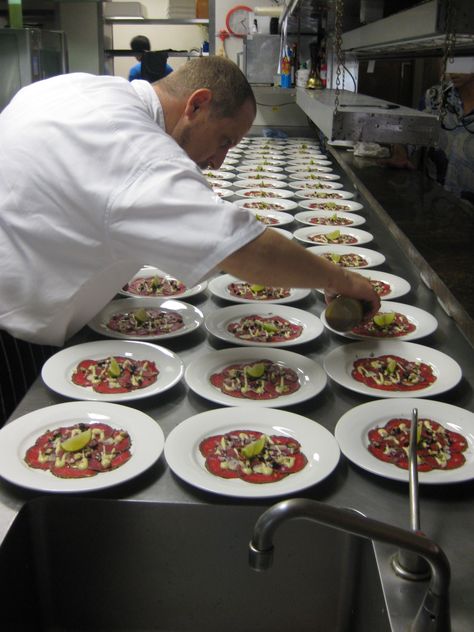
(362, 118)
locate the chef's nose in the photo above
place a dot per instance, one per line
(218, 158)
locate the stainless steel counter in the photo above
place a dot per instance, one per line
(446, 511)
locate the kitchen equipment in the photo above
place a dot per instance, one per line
(29, 55)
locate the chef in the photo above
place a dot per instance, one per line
(99, 176)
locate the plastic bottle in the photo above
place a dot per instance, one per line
(285, 80)
(302, 75)
(323, 73)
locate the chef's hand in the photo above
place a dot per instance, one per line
(359, 287)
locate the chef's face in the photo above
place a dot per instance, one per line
(207, 138)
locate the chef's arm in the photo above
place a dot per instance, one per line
(272, 259)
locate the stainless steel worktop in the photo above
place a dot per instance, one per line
(446, 511)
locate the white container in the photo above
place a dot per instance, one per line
(302, 76)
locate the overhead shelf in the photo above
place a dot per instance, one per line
(420, 28)
(164, 22)
(363, 118)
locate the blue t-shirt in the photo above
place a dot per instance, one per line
(136, 71)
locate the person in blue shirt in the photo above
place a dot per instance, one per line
(140, 45)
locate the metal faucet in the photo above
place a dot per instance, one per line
(433, 615)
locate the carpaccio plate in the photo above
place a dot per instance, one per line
(147, 441)
(264, 183)
(217, 323)
(149, 272)
(264, 192)
(186, 461)
(190, 316)
(308, 235)
(329, 218)
(58, 369)
(310, 375)
(334, 206)
(220, 287)
(313, 185)
(423, 322)
(323, 194)
(267, 204)
(339, 365)
(370, 258)
(353, 427)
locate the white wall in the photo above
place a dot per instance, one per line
(233, 45)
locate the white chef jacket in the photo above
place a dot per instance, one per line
(91, 189)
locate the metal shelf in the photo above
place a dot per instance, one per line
(111, 52)
(364, 118)
(164, 22)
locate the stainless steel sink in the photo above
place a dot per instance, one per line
(90, 565)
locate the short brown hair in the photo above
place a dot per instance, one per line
(228, 84)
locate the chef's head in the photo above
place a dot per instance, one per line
(208, 107)
(140, 44)
(460, 70)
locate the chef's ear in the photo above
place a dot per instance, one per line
(199, 100)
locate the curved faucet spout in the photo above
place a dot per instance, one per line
(433, 615)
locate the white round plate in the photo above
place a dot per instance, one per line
(302, 142)
(185, 460)
(372, 257)
(17, 436)
(279, 219)
(304, 234)
(424, 322)
(219, 287)
(313, 185)
(264, 192)
(308, 169)
(218, 321)
(260, 175)
(399, 287)
(229, 168)
(308, 175)
(222, 184)
(218, 174)
(263, 161)
(192, 317)
(230, 161)
(315, 204)
(150, 271)
(323, 194)
(57, 370)
(311, 376)
(305, 217)
(338, 365)
(307, 161)
(259, 168)
(353, 427)
(264, 183)
(223, 193)
(311, 151)
(284, 233)
(288, 205)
